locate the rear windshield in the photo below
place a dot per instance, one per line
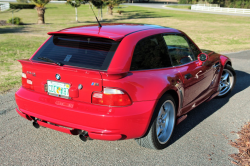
(80, 51)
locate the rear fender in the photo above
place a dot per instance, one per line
(177, 93)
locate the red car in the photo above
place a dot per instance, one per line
(120, 81)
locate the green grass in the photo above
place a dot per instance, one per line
(179, 7)
(216, 32)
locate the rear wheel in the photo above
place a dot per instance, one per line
(227, 81)
(163, 122)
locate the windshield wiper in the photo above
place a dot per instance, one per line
(50, 60)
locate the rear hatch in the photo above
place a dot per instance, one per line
(69, 66)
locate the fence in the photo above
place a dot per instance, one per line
(220, 9)
(4, 6)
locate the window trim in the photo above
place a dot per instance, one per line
(185, 37)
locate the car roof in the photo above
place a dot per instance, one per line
(114, 31)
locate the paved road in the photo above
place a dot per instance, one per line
(202, 139)
(162, 6)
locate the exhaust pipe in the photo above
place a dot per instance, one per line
(84, 136)
(35, 124)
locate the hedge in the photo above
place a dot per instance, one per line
(22, 6)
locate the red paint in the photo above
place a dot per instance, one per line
(62, 129)
(108, 137)
(142, 88)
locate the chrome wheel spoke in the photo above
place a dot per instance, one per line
(159, 130)
(162, 111)
(225, 76)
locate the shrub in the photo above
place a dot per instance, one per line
(16, 20)
(120, 11)
(22, 6)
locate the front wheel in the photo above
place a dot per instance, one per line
(227, 81)
(163, 122)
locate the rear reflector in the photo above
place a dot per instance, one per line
(29, 82)
(108, 91)
(111, 97)
(24, 75)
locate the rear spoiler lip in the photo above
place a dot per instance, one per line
(102, 72)
(90, 33)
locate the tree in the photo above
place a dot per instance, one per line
(111, 4)
(40, 9)
(99, 4)
(75, 4)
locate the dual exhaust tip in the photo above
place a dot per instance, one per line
(84, 136)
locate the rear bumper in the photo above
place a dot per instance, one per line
(101, 122)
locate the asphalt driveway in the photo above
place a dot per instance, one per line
(201, 139)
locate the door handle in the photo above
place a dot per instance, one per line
(187, 76)
(216, 65)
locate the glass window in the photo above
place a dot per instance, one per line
(196, 51)
(150, 53)
(178, 49)
(81, 51)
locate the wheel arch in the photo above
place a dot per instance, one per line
(229, 63)
(174, 93)
(225, 60)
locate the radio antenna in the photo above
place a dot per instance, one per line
(95, 17)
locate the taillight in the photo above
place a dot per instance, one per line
(111, 97)
(26, 83)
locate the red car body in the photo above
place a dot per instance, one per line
(144, 88)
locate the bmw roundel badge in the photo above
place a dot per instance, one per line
(58, 77)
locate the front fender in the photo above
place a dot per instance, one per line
(224, 60)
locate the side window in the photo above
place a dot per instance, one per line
(179, 49)
(150, 53)
(196, 51)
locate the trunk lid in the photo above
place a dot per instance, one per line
(82, 82)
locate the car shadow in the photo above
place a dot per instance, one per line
(196, 116)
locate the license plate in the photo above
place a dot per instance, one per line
(58, 89)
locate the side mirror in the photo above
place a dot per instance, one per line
(202, 57)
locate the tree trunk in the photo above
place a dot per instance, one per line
(111, 10)
(40, 12)
(76, 15)
(99, 11)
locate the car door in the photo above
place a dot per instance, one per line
(196, 78)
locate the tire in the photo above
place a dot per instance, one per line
(227, 81)
(162, 125)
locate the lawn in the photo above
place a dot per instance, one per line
(216, 32)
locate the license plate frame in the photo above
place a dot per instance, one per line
(52, 85)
